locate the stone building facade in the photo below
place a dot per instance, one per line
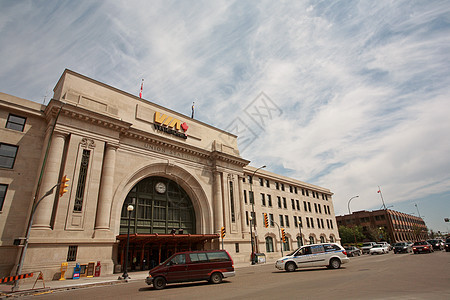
(184, 179)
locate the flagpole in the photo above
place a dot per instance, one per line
(142, 87)
(381, 194)
(192, 115)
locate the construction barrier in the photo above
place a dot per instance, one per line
(17, 277)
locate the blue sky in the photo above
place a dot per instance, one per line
(348, 95)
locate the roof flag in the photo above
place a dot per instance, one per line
(142, 87)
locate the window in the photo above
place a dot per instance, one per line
(282, 186)
(311, 240)
(295, 221)
(300, 222)
(328, 224)
(303, 192)
(307, 222)
(246, 217)
(79, 197)
(315, 207)
(271, 220)
(305, 207)
(236, 247)
(298, 204)
(312, 222)
(269, 244)
(233, 217)
(7, 155)
(307, 193)
(318, 223)
(277, 185)
(331, 224)
(286, 218)
(269, 200)
(295, 189)
(250, 196)
(198, 257)
(322, 239)
(321, 222)
(263, 199)
(281, 220)
(279, 201)
(15, 122)
(291, 190)
(284, 202)
(261, 182)
(331, 239)
(72, 253)
(267, 183)
(293, 204)
(249, 179)
(286, 245)
(309, 206)
(3, 189)
(320, 209)
(180, 259)
(245, 196)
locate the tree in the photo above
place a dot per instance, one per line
(349, 234)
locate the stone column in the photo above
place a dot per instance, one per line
(53, 166)
(217, 202)
(106, 188)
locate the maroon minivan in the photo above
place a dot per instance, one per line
(211, 265)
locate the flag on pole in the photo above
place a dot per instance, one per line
(192, 116)
(142, 87)
(379, 191)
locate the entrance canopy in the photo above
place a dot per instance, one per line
(155, 238)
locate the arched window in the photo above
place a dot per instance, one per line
(331, 239)
(299, 241)
(269, 244)
(160, 206)
(322, 239)
(286, 245)
(311, 239)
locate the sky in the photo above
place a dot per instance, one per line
(353, 96)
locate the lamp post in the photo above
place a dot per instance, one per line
(300, 230)
(251, 241)
(253, 203)
(125, 273)
(349, 212)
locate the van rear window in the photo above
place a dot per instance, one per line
(218, 256)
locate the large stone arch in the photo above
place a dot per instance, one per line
(202, 207)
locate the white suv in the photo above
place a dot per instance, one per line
(329, 255)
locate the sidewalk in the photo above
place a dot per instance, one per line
(26, 287)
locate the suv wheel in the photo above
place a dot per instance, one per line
(290, 267)
(159, 283)
(335, 263)
(215, 278)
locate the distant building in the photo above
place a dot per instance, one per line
(184, 179)
(399, 227)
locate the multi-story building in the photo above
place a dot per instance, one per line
(398, 226)
(169, 179)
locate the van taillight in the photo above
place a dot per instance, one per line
(344, 252)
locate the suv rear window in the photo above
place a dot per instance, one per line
(198, 257)
(331, 248)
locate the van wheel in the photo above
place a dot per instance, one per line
(215, 278)
(290, 267)
(159, 283)
(335, 263)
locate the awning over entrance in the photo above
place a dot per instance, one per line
(156, 238)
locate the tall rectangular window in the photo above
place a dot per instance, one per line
(286, 218)
(263, 199)
(233, 218)
(261, 181)
(15, 122)
(246, 217)
(79, 196)
(282, 186)
(72, 253)
(279, 201)
(250, 196)
(309, 206)
(271, 220)
(7, 155)
(281, 220)
(277, 185)
(236, 247)
(269, 200)
(245, 196)
(3, 189)
(315, 207)
(295, 221)
(318, 223)
(267, 183)
(307, 222)
(298, 204)
(284, 202)
(293, 204)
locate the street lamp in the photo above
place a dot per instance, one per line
(349, 212)
(253, 202)
(300, 230)
(125, 273)
(251, 241)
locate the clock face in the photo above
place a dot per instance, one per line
(160, 187)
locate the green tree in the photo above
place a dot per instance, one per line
(349, 234)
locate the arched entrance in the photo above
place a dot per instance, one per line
(162, 222)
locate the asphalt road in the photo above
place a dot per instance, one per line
(385, 276)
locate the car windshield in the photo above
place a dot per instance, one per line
(377, 246)
(420, 243)
(367, 244)
(399, 244)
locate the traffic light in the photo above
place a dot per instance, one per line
(63, 185)
(266, 220)
(283, 235)
(222, 232)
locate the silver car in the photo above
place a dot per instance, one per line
(329, 255)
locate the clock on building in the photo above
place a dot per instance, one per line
(160, 187)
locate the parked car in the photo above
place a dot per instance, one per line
(447, 244)
(386, 244)
(212, 265)
(437, 244)
(329, 255)
(379, 249)
(365, 249)
(402, 248)
(421, 247)
(352, 251)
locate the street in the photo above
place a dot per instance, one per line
(386, 276)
